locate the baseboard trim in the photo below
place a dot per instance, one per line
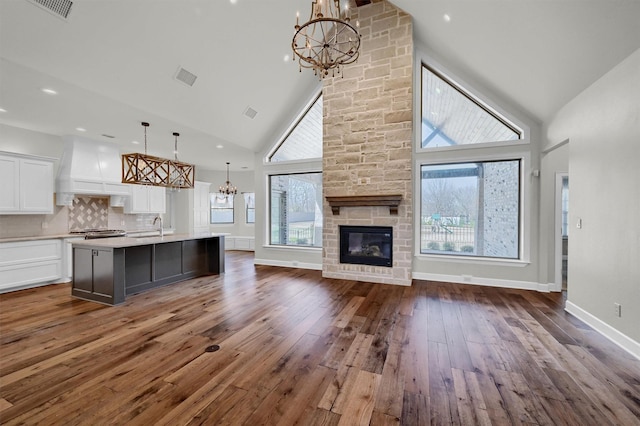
(490, 282)
(288, 264)
(620, 339)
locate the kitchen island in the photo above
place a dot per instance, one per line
(108, 270)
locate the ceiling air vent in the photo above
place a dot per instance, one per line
(250, 112)
(185, 77)
(60, 8)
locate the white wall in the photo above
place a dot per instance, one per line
(603, 126)
(554, 160)
(266, 254)
(14, 139)
(524, 273)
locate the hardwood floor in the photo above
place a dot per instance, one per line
(295, 348)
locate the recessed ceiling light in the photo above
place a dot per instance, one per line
(287, 58)
(233, 1)
(81, 129)
(219, 146)
(3, 110)
(446, 18)
(49, 91)
(135, 142)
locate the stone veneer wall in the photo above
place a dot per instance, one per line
(367, 146)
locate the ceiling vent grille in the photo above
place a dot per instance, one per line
(60, 8)
(250, 112)
(185, 77)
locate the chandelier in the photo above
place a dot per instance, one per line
(227, 189)
(327, 41)
(144, 169)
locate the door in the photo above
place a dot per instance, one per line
(103, 272)
(36, 186)
(562, 231)
(83, 269)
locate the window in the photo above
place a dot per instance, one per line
(304, 141)
(296, 209)
(250, 207)
(452, 117)
(221, 208)
(471, 209)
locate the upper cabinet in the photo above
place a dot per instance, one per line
(27, 184)
(146, 199)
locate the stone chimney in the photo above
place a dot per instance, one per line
(367, 146)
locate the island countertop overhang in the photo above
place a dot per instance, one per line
(123, 242)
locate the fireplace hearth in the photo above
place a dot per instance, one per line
(366, 245)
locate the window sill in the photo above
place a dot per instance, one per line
(289, 248)
(516, 263)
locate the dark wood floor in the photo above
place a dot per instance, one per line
(299, 349)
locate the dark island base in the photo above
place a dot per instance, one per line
(109, 275)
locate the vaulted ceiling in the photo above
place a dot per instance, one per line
(113, 64)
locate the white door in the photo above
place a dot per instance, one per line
(36, 186)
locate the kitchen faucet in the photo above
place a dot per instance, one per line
(158, 218)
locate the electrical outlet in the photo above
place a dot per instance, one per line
(618, 308)
(579, 224)
(466, 278)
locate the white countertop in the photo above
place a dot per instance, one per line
(120, 242)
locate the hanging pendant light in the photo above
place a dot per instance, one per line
(227, 189)
(144, 169)
(180, 174)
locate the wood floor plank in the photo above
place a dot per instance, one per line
(295, 348)
(359, 406)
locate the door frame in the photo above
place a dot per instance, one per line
(558, 230)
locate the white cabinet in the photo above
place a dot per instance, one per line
(239, 243)
(67, 258)
(146, 199)
(27, 184)
(28, 263)
(201, 206)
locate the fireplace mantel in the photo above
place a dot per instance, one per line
(390, 200)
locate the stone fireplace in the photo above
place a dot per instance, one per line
(367, 145)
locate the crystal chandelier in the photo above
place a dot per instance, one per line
(228, 189)
(327, 41)
(144, 169)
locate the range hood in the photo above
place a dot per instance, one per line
(89, 167)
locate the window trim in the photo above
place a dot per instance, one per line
(289, 130)
(246, 209)
(470, 91)
(521, 203)
(268, 175)
(211, 208)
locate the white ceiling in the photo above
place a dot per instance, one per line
(113, 62)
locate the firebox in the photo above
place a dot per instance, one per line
(366, 245)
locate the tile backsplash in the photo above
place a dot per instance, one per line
(89, 212)
(86, 212)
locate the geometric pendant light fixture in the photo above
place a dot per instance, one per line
(144, 169)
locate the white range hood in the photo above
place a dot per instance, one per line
(89, 167)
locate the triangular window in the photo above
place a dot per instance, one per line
(304, 141)
(452, 117)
